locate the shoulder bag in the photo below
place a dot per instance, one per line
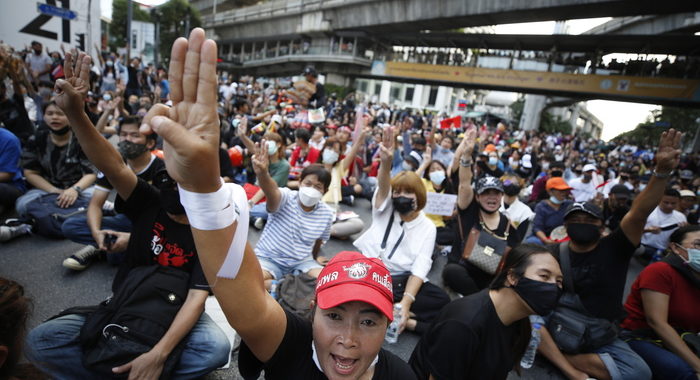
(483, 248)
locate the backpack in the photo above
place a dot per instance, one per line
(296, 293)
(134, 320)
(48, 217)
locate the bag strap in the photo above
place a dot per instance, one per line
(386, 236)
(388, 229)
(565, 260)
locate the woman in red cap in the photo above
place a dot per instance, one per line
(353, 305)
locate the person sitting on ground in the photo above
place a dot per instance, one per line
(476, 212)
(584, 188)
(519, 214)
(539, 187)
(484, 335)
(661, 223)
(12, 184)
(549, 213)
(353, 301)
(94, 230)
(665, 302)
(54, 162)
(688, 205)
(599, 267)
(435, 180)
(161, 236)
(298, 223)
(302, 156)
(404, 238)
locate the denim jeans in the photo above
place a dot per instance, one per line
(33, 194)
(622, 363)
(664, 364)
(76, 229)
(54, 347)
(258, 211)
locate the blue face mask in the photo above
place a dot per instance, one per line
(693, 258)
(554, 200)
(493, 161)
(437, 177)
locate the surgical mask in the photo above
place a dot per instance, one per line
(583, 233)
(308, 196)
(555, 200)
(403, 205)
(109, 63)
(60, 132)
(406, 166)
(587, 176)
(557, 173)
(693, 258)
(271, 148)
(493, 161)
(106, 97)
(131, 150)
(330, 156)
(437, 177)
(511, 190)
(542, 297)
(545, 166)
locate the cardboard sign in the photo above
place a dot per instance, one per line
(440, 204)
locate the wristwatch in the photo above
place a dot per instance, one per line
(78, 189)
(662, 175)
(465, 163)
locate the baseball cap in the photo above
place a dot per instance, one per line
(687, 193)
(415, 157)
(485, 183)
(588, 167)
(490, 148)
(587, 207)
(526, 161)
(686, 174)
(619, 190)
(351, 276)
(557, 183)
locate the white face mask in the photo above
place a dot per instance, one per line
(308, 196)
(330, 156)
(406, 166)
(437, 177)
(271, 148)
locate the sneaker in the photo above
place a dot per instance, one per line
(11, 232)
(81, 259)
(259, 223)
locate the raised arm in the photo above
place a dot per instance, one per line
(465, 193)
(427, 159)
(667, 158)
(356, 145)
(386, 157)
(242, 132)
(261, 164)
(71, 95)
(191, 133)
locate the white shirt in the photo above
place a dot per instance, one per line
(659, 219)
(414, 252)
(517, 212)
(581, 191)
(38, 63)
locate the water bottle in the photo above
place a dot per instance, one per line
(273, 289)
(529, 356)
(392, 332)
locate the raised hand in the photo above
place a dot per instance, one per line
(386, 148)
(428, 154)
(261, 158)
(466, 147)
(74, 88)
(668, 155)
(190, 129)
(242, 126)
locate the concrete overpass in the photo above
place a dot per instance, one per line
(680, 23)
(284, 17)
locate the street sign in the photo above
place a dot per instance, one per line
(51, 10)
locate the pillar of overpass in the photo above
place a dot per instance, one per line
(532, 109)
(385, 92)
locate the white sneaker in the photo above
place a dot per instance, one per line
(9, 233)
(259, 223)
(81, 259)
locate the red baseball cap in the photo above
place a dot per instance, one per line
(352, 276)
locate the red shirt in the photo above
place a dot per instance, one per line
(684, 302)
(298, 162)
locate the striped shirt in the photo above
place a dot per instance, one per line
(290, 232)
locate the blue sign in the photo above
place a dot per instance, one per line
(56, 11)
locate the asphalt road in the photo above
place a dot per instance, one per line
(35, 262)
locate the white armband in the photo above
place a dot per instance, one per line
(209, 211)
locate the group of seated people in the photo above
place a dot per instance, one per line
(530, 215)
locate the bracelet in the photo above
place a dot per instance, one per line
(411, 296)
(209, 211)
(465, 163)
(78, 189)
(661, 175)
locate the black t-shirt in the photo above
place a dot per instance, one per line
(600, 275)
(613, 217)
(156, 239)
(469, 218)
(294, 358)
(466, 341)
(146, 174)
(486, 171)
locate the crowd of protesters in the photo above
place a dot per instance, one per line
(518, 202)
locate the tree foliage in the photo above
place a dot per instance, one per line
(659, 120)
(117, 29)
(172, 16)
(552, 124)
(516, 110)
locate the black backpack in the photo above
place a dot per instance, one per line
(135, 319)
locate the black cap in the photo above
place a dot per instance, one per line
(310, 70)
(485, 183)
(587, 207)
(621, 190)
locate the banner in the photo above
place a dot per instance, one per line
(453, 122)
(648, 88)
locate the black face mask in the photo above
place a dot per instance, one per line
(511, 190)
(403, 205)
(583, 233)
(542, 297)
(130, 150)
(170, 201)
(60, 132)
(557, 173)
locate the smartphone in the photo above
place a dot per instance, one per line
(109, 241)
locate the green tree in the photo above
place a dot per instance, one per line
(516, 109)
(172, 18)
(659, 120)
(117, 29)
(551, 124)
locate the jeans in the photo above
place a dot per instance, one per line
(54, 347)
(33, 194)
(258, 211)
(278, 271)
(533, 239)
(76, 229)
(622, 363)
(664, 364)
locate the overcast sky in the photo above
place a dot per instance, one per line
(617, 117)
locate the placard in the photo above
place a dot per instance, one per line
(440, 204)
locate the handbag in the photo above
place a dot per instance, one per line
(48, 217)
(483, 248)
(134, 320)
(296, 293)
(572, 327)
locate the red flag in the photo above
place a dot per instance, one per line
(453, 122)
